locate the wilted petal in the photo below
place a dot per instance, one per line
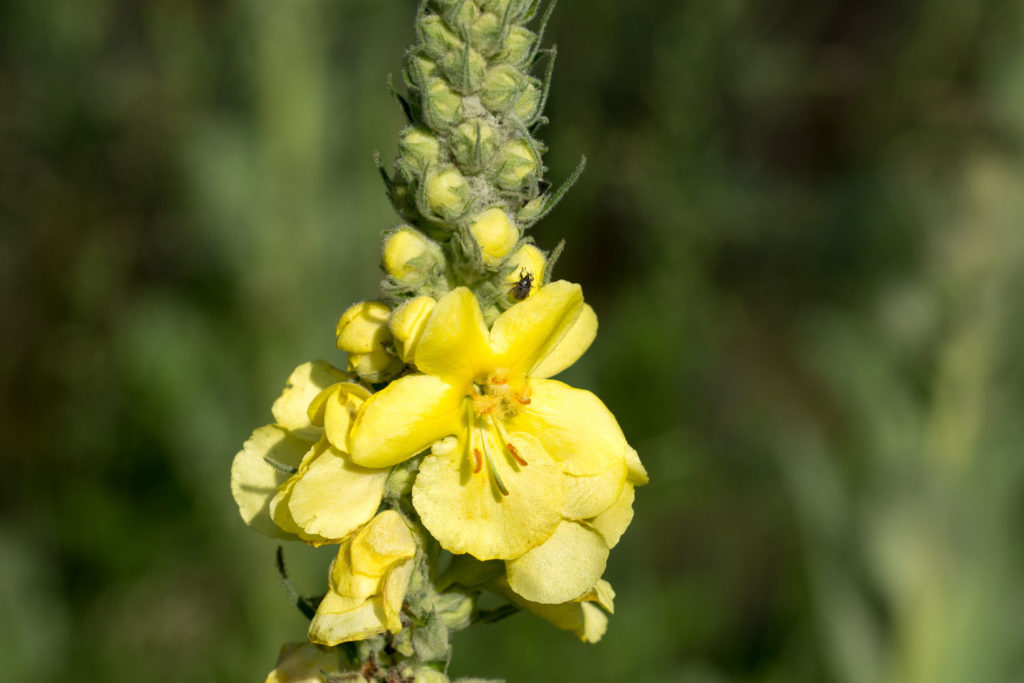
(254, 481)
(305, 382)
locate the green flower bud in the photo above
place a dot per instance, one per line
(461, 15)
(502, 87)
(495, 234)
(438, 39)
(485, 33)
(518, 46)
(526, 106)
(419, 148)
(466, 70)
(531, 209)
(441, 105)
(447, 192)
(499, 7)
(473, 143)
(515, 165)
(420, 69)
(409, 256)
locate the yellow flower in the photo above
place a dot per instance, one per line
(329, 496)
(367, 583)
(532, 465)
(303, 663)
(363, 332)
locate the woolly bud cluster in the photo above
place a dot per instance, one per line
(469, 175)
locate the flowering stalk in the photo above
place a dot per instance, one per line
(443, 463)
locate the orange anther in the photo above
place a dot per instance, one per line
(524, 401)
(515, 454)
(479, 461)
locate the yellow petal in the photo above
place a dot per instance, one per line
(573, 426)
(454, 342)
(603, 594)
(403, 419)
(575, 342)
(467, 513)
(583, 619)
(363, 327)
(334, 496)
(305, 382)
(381, 544)
(612, 523)
(303, 663)
(254, 481)
(589, 496)
(335, 409)
(393, 594)
(525, 334)
(332, 625)
(562, 568)
(637, 473)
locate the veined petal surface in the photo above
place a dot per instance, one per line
(254, 481)
(573, 426)
(561, 569)
(467, 513)
(303, 385)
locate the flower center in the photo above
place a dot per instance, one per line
(491, 401)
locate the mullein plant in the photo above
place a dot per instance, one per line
(458, 482)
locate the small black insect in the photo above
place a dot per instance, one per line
(521, 289)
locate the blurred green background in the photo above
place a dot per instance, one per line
(802, 228)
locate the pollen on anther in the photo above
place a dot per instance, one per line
(524, 401)
(479, 461)
(515, 454)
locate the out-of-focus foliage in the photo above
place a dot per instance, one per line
(802, 228)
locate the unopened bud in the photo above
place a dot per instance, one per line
(495, 234)
(531, 209)
(485, 33)
(465, 69)
(420, 69)
(526, 106)
(473, 143)
(419, 148)
(363, 333)
(461, 15)
(502, 87)
(409, 256)
(528, 264)
(447, 192)
(441, 105)
(438, 39)
(499, 7)
(519, 46)
(407, 323)
(515, 165)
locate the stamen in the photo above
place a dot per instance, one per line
(479, 461)
(524, 401)
(494, 470)
(515, 454)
